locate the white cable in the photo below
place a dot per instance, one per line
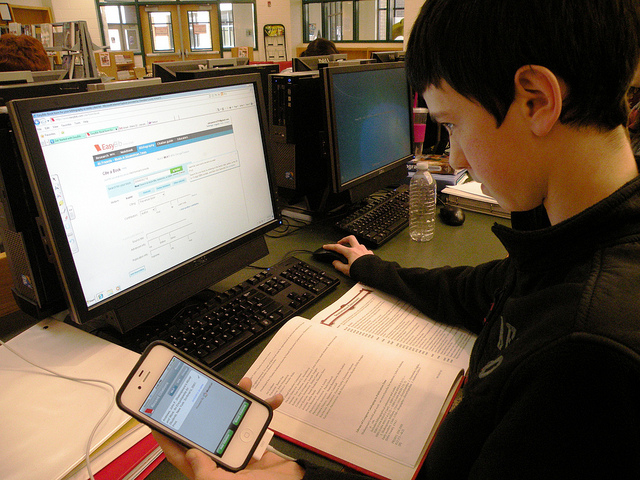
(81, 380)
(280, 454)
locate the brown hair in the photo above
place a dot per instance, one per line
(320, 46)
(22, 52)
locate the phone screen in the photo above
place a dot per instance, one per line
(196, 406)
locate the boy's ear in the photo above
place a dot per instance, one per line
(540, 93)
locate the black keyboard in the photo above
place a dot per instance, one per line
(382, 217)
(219, 326)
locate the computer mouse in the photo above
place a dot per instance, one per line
(328, 256)
(451, 215)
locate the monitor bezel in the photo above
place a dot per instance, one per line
(311, 62)
(388, 56)
(166, 71)
(390, 172)
(48, 75)
(263, 69)
(45, 89)
(143, 301)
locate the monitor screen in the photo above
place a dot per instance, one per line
(150, 194)
(368, 111)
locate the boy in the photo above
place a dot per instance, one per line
(533, 95)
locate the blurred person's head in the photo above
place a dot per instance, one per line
(22, 52)
(318, 47)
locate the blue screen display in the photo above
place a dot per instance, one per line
(372, 120)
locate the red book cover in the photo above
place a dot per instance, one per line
(126, 462)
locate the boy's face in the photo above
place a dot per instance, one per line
(501, 159)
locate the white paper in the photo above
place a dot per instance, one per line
(46, 420)
(471, 190)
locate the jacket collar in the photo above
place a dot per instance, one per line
(533, 243)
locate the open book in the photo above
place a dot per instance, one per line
(366, 381)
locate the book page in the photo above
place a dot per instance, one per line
(386, 319)
(385, 400)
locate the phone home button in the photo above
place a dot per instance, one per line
(246, 435)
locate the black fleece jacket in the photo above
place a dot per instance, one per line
(553, 387)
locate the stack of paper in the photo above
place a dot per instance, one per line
(46, 420)
(469, 196)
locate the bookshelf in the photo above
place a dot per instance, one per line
(30, 15)
(117, 65)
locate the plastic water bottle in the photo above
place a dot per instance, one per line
(422, 204)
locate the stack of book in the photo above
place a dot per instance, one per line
(470, 196)
(441, 171)
(50, 418)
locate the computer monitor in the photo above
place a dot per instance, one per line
(18, 76)
(304, 64)
(167, 70)
(345, 63)
(43, 89)
(227, 62)
(368, 109)
(387, 56)
(48, 75)
(149, 195)
(264, 69)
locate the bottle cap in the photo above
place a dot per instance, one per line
(422, 166)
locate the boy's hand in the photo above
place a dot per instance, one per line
(351, 249)
(198, 466)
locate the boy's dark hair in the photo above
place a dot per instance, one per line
(320, 46)
(477, 46)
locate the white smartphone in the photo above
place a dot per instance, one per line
(188, 402)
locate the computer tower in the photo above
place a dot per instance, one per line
(297, 134)
(36, 287)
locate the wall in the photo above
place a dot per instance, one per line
(273, 11)
(71, 10)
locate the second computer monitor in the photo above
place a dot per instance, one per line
(368, 110)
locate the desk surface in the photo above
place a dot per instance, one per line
(469, 244)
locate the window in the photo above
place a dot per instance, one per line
(356, 20)
(161, 32)
(176, 28)
(121, 27)
(226, 18)
(200, 30)
(238, 24)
